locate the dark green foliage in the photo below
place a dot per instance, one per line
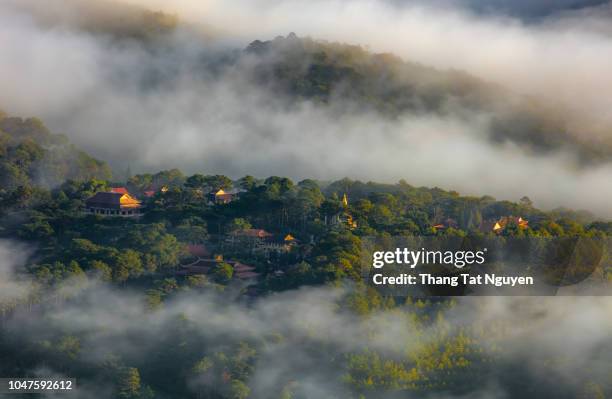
(223, 273)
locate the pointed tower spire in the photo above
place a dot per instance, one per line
(345, 201)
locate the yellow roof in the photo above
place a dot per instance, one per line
(128, 200)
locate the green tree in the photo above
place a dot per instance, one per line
(215, 182)
(247, 182)
(101, 270)
(127, 264)
(196, 181)
(128, 384)
(223, 272)
(239, 390)
(70, 346)
(239, 224)
(154, 299)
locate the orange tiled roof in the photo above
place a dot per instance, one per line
(119, 190)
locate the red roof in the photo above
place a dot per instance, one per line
(120, 190)
(198, 250)
(256, 233)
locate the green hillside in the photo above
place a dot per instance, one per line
(31, 155)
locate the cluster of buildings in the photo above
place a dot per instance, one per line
(261, 241)
(251, 241)
(119, 202)
(205, 266)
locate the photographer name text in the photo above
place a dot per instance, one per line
(453, 281)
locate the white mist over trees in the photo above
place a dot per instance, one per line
(101, 94)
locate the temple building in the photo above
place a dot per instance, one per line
(250, 239)
(278, 243)
(113, 204)
(497, 226)
(260, 240)
(223, 197)
(220, 197)
(343, 217)
(204, 266)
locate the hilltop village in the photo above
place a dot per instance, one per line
(233, 248)
(205, 255)
(169, 231)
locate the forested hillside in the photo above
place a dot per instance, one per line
(32, 156)
(151, 306)
(336, 73)
(46, 182)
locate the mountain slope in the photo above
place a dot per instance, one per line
(332, 72)
(31, 155)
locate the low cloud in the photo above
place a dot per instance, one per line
(12, 289)
(302, 339)
(98, 92)
(559, 58)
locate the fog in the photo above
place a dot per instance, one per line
(11, 289)
(95, 90)
(302, 337)
(560, 58)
